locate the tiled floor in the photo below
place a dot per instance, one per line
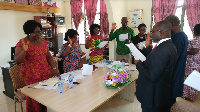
(7, 104)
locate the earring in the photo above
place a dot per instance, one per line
(29, 34)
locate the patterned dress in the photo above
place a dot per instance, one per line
(35, 68)
(96, 55)
(73, 60)
(193, 63)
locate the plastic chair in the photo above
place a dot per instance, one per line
(18, 82)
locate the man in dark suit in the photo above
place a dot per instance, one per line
(155, 73)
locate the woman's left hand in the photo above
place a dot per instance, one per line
(55, 72)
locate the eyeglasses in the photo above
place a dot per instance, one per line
(155, 31)
(37, 33)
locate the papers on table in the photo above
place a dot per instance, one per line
(102, 44)
(193, 80)
(141, 44)
(50, 82)
(87, 69)
(135, 52)
(86, 54)
(123, 37)
(76, 74)
(131, 67)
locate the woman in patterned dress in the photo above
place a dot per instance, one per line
(92, 42)
(33, 55)
(193, 62)
(71, 52)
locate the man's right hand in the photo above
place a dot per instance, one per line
(148, 40)
(25, 45)
(113, 26)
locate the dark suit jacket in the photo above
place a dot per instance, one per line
(155, 76)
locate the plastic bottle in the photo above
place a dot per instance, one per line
(123, 64)
(104, 62)
(70, 79)
(60, 86)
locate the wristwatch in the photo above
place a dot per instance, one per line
(54, 68)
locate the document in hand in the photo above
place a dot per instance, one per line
(86, 54)
(87, 69)
(193, 80)
(141, 44)
(123, 37)
(135, 52)
(102, 44)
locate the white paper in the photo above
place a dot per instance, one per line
(135, 52)
(131, 67)
(86, 54)
(102, 44)
(193, 80)
(76, 74)
(123, 37)
(141, 44)
(45, 87)
(87, 69)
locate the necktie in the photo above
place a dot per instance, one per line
(154, 47)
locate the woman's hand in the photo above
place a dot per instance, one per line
(55, 72)
(88, 35)
(25, 45)
(70, 41)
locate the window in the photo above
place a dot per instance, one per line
(83, 26)
(181, 14)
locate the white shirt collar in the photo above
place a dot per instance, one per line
(161, 41)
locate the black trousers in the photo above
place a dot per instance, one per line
(155, 109)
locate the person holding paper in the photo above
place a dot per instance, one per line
(155, 73)
(93, 42)
(193, 62)
(71, 52)
(180, 39)
(141, 36)
(123, 36)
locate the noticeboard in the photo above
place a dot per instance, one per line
(135, 17)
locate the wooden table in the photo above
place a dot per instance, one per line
(89, 95)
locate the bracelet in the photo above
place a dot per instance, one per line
(54, 68)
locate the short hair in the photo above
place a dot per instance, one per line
(163, 25)
(140, 25)
(70, 33)
(92, 27)
(173, 19)
(196, 29)
(30, 25)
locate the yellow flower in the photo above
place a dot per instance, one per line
(117, 75)
(114, 84)
(127, 78)
(111, 76)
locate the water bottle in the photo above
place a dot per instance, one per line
(123, 64)
(70, 78)
(104, 62)
(60, 86)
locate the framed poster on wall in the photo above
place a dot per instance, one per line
(135, 17)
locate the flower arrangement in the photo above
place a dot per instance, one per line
(116, 78)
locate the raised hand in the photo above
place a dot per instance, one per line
(148, 40)
(70, 41)
(25, 45)
(88, 35)
(113, 26)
